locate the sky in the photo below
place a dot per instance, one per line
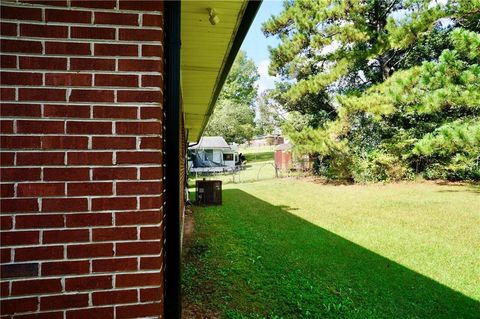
(256, 44)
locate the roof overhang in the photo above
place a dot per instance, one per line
(207, 54)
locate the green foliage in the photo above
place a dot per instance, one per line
(400, 76)
(233, 121)
(240, 85)
(269, 114)
(233, 117)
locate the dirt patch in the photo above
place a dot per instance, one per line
(189, 224)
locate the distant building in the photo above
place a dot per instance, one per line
(267, 140)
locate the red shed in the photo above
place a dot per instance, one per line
(283, 156)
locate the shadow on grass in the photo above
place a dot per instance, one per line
(250, 259)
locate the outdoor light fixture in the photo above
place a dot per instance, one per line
(214, 19)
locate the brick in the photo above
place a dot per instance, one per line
(7, 94)
(19, 270)
(40, 189)
(6, 222)
(9, 29)
(95, 189)
(88, 283)
(140, 35)
(40, 127)
(116, 80)
(37, 286)
(43, 31)
(20, 174)
(114, 264)
(39, 94)
(69, 16)
(138, 128)
(113, 234)
(138, 248)
(66, 236)
(152, 81)
(90, 250)
(151, 232)
(11, 306)
(139, 158)
(64, 111)
(152, 50)
(140, 65)
(42, 315)
(65, 174)
(67, 48)
(64, 204)
(40, 158)
(123, 112)
(64, 142)
(5, 256)
(92, 64)
(43, 63)
(39, 253)
(120, 173)
(89, 219)
(6, 158)
(116, 18)
(142, 310)
(7, 190)
(20, 142)
(38, 221)
(63, 301)
(151, 113)
(151, 263)
(13, 13)
(57, 3)
(153, 202)
(13, 205)
(109, 49)
(114, 142)
(89, 127)
(139, 96)
(89, 158)
(114, 297)
(19, 238)
(6, 127)
(103, 4)
(92, 33)
(141, 5)
(138, 188)
(78, 95)
(4, 289)
(20, 110)
(138, 280)
(149, 143)
(151, 294)
(138, 218)
(70, 267)
(91, 313)
(21, 78)
(152, 20)
(147, 173)
(114, 203)
(68, 79)
(8, 61)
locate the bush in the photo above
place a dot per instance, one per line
(379, 166)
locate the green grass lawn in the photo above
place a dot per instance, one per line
(295, 249)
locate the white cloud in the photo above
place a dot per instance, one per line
(265, 81)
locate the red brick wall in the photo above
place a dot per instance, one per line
(81, 178)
